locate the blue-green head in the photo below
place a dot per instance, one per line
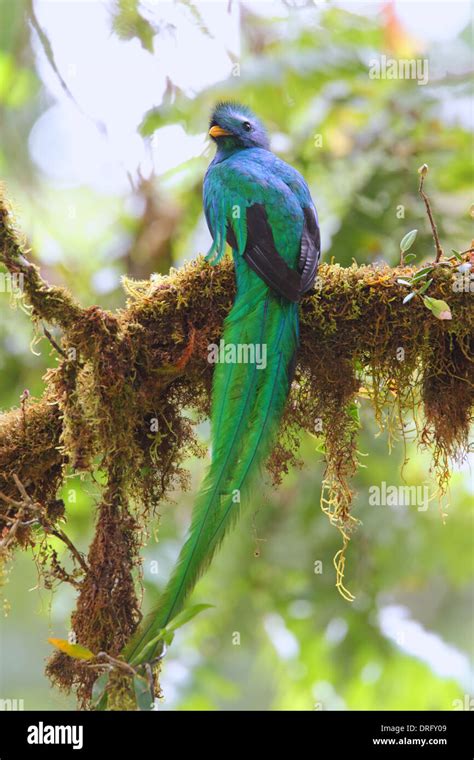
(234, 126)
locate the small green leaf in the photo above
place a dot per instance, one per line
(73, 650)
(407, 241)
(457, 254)
(409, 297)
(409, 257)
(353, 412)
(99, 688)
(143, 693)
(439, 308)
(166, 635)
(148, 651)
(186, 615)
(421, 273)
(424, 287)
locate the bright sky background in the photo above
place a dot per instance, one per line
(115, 82)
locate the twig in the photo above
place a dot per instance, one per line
(423, 171)
(9, 500)
(26, 498)
(53, 342)
(44, 521)
(5, 542)
(75, 552)
(120, 664)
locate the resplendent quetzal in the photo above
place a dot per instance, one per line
(262, 207)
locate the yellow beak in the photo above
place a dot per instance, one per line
(218, 132)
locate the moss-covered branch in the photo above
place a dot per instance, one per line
(116, 403)
(356, 313)
(52, 304)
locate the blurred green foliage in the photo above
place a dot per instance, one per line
(280, 637)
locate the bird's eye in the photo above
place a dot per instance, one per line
(247, 126)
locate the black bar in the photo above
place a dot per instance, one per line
(317, 734)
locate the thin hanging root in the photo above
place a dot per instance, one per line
(339, 562)
(339, 516)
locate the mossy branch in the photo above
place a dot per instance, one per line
(360, 304)
(115, 403)
(53, 304)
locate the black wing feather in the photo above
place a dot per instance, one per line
(310, 250)
(261, 254)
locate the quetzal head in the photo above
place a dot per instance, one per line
(235, 126)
